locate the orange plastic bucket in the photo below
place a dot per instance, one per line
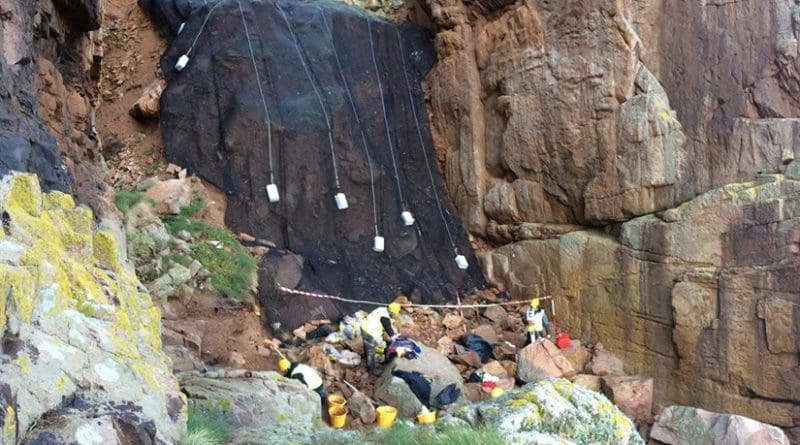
(338, 416)
(336, 400)
(386, 415)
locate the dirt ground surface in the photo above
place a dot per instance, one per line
(132, 48)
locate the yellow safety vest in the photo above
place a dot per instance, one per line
(371, 324)
(310, 376)
(536, 318)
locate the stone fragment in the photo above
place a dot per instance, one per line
(632, 395)
(361, 408)
(678, 425)
(469, 358)
(605, 363)
(577, 354)
(170, 196)
(452, 321)
(588, 381)
(504, 351)
(496, 314)
(494, 368)
(236, 360)
(146, 108)
(487, 332)
(540, 360)
(445, 346)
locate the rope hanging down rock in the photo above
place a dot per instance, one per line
(310, 77)
(422, 143)
(360, 126)
(267, 119)
(408, 219)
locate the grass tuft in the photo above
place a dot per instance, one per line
(205, 427)
(125, 200)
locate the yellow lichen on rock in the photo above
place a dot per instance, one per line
(67, 278)
(105, 250)
(24, 195)
(9, 431)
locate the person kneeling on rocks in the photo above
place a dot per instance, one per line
(538, 323)
(372, 328)
(305, 374)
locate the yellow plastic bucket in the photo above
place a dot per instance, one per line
(386, 416)
(336, 400)
(338, 415)
(428, 417)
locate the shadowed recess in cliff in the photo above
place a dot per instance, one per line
(214, 124)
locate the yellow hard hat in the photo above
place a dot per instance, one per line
(535, 302)
(284, 364)
(497, 391)
(394, 308)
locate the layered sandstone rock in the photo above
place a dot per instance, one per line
(703, 297)
(593, 112)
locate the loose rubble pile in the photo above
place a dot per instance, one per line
(446, 360)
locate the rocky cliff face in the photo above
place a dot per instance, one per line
(312, 142)
(80, 356)
(50, 58)
(593, 113)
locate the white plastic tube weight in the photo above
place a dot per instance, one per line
(272, 193)
(182, 61)
(408, 218)
(377, 244)
(341, 201)
(461, 262)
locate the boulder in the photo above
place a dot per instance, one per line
(395, 392)
(146, 108)
(452, 321)
(495, 368)
(577, 354)
(540, 360)
(361, 407)
(605, 363)
(474, 392)
(258, 404)
(469, 358)
(504, 351)
(587, 381)
(496, 314)
(551, 411)
(81, 351)
(487, 332)
(632, 395)
(170, 196)
(677, 425)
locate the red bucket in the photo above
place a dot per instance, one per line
(562, 340)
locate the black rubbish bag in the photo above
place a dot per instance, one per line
(476, 343)
(420, 386)
(448, 395)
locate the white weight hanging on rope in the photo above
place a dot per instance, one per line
(377, 243)
(272, 193)
(182, 61)
(408, 218)
(461, 262)
(341, 201)
(180, 28)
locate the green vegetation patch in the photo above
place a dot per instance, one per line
(207, 426)
(230, 265)
(126, 200)
(404, 434)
